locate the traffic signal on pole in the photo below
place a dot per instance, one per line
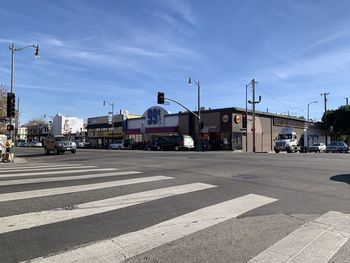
(244, 121)
(160, 98)
(10, 127)
(11, 105)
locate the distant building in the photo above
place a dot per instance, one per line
(99, 129)
(66, 125)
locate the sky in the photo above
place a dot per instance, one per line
(125, 51)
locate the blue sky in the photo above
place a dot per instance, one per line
(125, 51)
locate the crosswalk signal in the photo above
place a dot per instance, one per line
(160, 98)
(11, 105)
(244, 121)
(10, 127)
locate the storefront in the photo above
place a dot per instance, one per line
(156, 121)
(100, 132)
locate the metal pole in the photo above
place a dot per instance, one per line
(246, 115)
(325, 115)
(112, 121)
(308, 126)
(12, 78)
(199, 117)
(347, 101)
(253, 85)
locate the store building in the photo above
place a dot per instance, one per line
(222, 129)
(156, 121)
(101, 132)
(70, 126)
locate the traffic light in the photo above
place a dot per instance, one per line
(11, 105)
(244, 121)
(10, 127)
(160, 98)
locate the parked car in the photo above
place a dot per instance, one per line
(117, 145)
(22, 144)
(35, 144)
(337, 146)
(317, 147)
(172, 142)
(79, 144)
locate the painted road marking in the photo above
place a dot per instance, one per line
(126, 246)
(314, 242)
(29, 220)
(46, 169)
(59, 172)
(39, 166)
(77, 188)
(64, 178)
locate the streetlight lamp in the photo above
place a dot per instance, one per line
(112, 105)
(13, 50)
(199, 148)
(308, 121)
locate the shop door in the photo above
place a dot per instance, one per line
(236, 141)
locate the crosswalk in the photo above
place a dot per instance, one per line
(315, 241)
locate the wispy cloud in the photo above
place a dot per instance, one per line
(183, 9)
(325, 63)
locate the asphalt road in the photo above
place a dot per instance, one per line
(179, 207)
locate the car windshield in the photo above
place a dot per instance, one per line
(284, 136)
(316, 144)
(59, 138)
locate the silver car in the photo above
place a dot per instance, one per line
(317, 147)
(337, 146)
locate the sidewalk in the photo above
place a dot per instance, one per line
(17, 160)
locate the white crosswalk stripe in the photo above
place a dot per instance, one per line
(46, 169)
(77, 188)
(59, 172)
(24, 221)
(65, 178)
(134, 243)
(40, 166)
(141, 241)
(314, 242)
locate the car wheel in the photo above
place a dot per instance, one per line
(47, 151)
(277, 151)
(73, 151)
(158, 148)
(177, 147)
(57, 152)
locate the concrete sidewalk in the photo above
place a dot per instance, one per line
(16, 161)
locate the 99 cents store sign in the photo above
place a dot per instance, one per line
(155, 116)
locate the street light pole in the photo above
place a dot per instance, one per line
(308, 123)
(199, 148)
(13, 50)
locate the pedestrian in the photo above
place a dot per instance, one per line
(2, 147)
(9, 151)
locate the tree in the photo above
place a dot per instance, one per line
(3, 113)
(338, 122)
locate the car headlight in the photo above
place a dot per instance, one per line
(60, 144)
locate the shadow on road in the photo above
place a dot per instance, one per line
(345, 178)
(31, 155)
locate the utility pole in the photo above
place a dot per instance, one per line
(17, 122)
(325, 115)
(254, 102)
(347, 101)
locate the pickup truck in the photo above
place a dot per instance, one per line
(59, 144)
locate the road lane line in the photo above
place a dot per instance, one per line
(29, 220)
(313, 242)
(77, 188)
(46, 169)
(64, 178)
(39, 166)
(126, 246)
(59, 172)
